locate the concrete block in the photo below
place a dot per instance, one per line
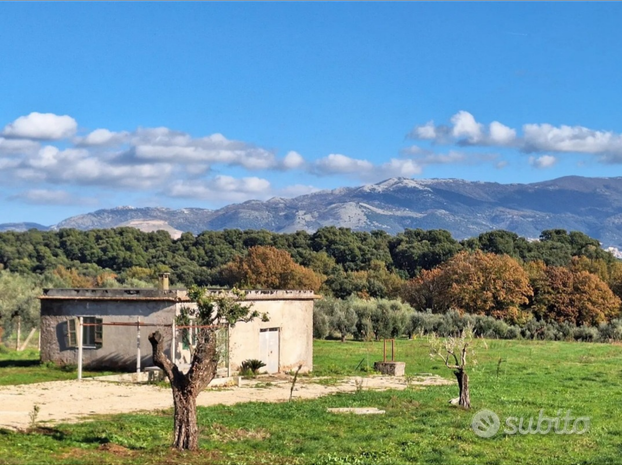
(390, 368)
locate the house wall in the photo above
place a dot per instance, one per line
(292, 313)
(118, 349)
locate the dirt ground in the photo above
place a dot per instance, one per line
(70, 401)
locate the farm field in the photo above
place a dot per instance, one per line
(419, 426)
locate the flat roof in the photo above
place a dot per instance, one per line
(171, 295)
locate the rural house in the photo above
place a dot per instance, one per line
(117, 323)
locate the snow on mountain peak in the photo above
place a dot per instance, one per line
(394, 183)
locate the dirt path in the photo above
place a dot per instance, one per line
(68, 401)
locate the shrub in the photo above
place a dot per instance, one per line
(251, 366)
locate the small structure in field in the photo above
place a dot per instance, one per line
(116, 323)
(390, 367)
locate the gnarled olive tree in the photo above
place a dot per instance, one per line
(453, 352)
(214, 310)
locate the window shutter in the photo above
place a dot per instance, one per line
(71, 339)
(99, 331)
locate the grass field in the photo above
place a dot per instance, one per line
(24, 368)
(419, 425)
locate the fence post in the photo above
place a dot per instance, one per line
(19, 332)
(138, 345)
(173, 342)
(80, 323)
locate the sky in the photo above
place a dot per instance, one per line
(206, 104)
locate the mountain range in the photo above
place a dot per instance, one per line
(465, 208)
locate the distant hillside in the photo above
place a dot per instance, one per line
(22, 227)
(590, 205)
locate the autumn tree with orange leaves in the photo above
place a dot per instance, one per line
(566, 295)
(477, 283)
(270, 268)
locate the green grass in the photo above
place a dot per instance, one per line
(419, 425)
(25, 368)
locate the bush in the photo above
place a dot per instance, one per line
(250, 367)
(382, 318)
(586, 334)
(320, 323)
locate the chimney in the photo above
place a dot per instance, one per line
(163, 282)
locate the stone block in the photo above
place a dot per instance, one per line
(390, 368)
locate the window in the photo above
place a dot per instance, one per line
(92, 336)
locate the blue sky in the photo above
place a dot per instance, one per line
(205, 104)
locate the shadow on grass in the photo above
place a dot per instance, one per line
(19, 363)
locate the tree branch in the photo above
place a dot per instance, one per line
(160, 359)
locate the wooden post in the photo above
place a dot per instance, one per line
(229, 352)
(384, 351)
(138, 345)
(173, 342)
(19, 332)
(79, 335)
(25, 344)
(393, 350)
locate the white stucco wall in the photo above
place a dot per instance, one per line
(293, 318)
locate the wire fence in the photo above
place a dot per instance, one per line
(188, 338)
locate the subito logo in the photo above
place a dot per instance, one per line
(485, 423)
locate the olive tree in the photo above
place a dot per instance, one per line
(213, 310)
(453, 352)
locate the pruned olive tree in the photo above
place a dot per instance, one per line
(453, 352)
(213, 310)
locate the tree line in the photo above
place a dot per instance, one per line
(562, 276)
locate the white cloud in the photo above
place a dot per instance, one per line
(222, 188)
(413, 151)
(545, 137)
(425, 132)
(395, 168)
(500, 134)
(465, 130)
(52, 197)
(336, 163)
(466, 126)
(542, 162)
(293, 160)
(80, 167)
(17, 146)
(166, 145)
(102, 137)
(501, 164)
(44, 126)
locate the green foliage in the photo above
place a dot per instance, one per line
(251, 367)
(18, 299)
(216, 307)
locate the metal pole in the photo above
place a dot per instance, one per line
(173, 343)
(80, 322)
(138, 345)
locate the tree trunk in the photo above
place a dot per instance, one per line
(343, 337)
(186, 387)
(185, 428)
(463, 385)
